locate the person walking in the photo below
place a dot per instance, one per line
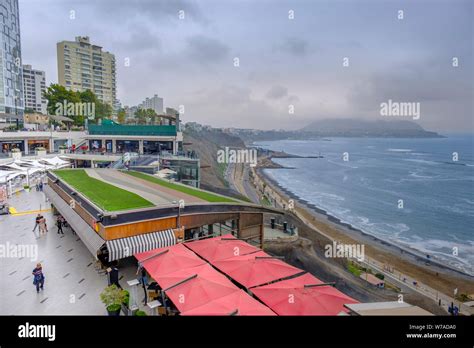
(59, 223)
(144, 281)
(43, 227)
(38, 277)
(37, 221)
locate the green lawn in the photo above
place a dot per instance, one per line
(354, 269)
(204, 195)
(105, 196)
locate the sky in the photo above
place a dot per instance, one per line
(291, 56)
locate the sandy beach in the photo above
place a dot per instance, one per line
(408, 262)
(434, 280)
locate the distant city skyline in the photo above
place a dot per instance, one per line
(291, 56)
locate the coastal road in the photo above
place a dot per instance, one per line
(237, 176)
(240, 180)
(379, 267)
(404, 281)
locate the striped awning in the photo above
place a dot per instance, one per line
(125, 247)
(92, 240)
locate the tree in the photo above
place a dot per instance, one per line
(121, 116)
(58, 94)
(60, 99)
(140, 115)
(102, 110)
(151, 114)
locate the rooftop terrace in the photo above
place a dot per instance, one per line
(112, 190)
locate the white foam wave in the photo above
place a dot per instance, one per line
(399, 150)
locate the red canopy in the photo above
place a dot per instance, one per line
(296, 282)
(221, 248)
(319, 300)
(168, 260)
(200, 290)
(255, 269)
(238, 303)
(205, 270)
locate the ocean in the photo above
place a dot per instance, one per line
(406, 191)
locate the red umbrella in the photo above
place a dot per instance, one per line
(198, 290)
(236, 303)
(221, 248)
(205, 270)
(296, 282)
(255, 269)
(319, 300)
(162, 261)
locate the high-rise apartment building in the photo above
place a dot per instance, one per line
(155, 103)
(83, 66)
(11, 80)
(34, 84)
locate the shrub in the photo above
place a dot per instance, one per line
(113, 297)
(140, 314)
(126, 299)
(380, 276)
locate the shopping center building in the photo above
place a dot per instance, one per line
(119, 213)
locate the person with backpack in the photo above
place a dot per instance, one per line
(38, 277)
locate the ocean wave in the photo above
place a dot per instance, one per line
(443, 251)
(343, 165)
(415, 174)
(399, 150)
(421, 161)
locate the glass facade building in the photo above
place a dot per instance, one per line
(11, 72)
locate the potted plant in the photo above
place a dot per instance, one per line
(40, 151)
(62, 149)
(16, 153)
(126, 302)
(113, 297)
(26, 188)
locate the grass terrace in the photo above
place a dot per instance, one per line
(204, 195)
(106, 196)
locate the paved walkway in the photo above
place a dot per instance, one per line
(72, 285)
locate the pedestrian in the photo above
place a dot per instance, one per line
(41, 186)
(38, 277)
(43, 227)
(59, 223)
(37, 187)
(144, 281)
(37, 221)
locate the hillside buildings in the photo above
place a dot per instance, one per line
(83, 65)
(155, 103)
(34, 82)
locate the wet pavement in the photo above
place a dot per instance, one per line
(72, 283)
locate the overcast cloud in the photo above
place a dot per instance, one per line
(190, 61)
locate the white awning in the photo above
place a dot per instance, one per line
(125, 247)
(92, 240)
